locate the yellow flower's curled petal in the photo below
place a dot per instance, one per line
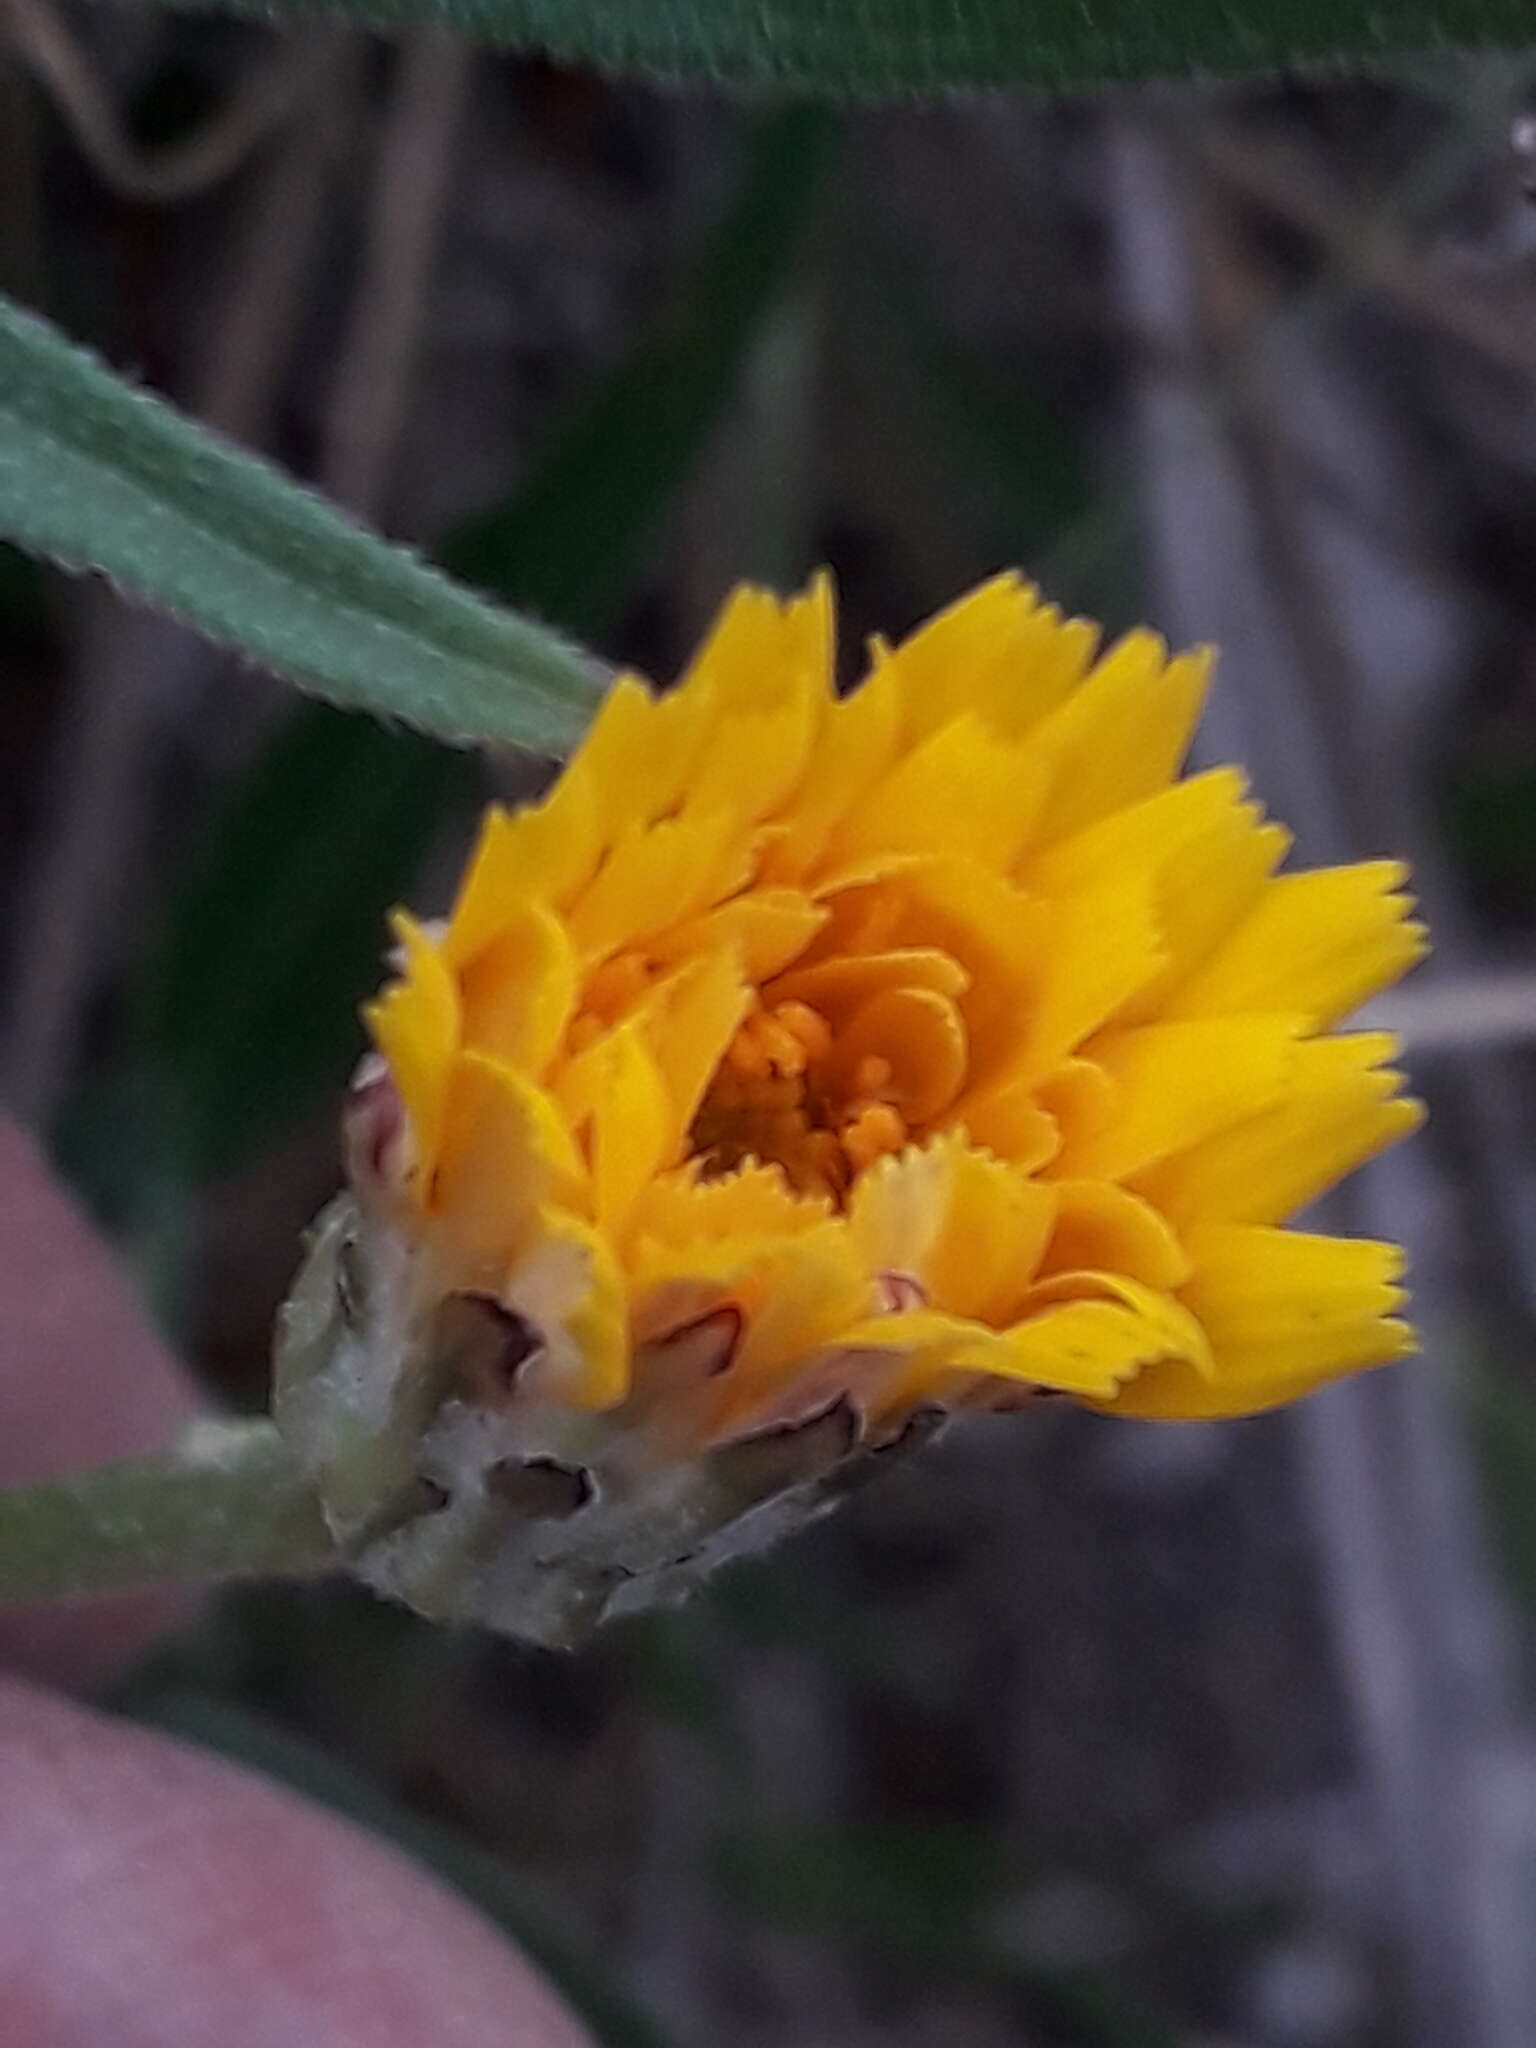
(505, 1151)
(804, 1063)
(1089, 1348)
(1121, 736)
(1178, 1083)
(682, 1209)
(1203, 852)
(637, 757)
(568, 1286)
(631, 1126)
(546, 852)
(1101, 944)
(415, 1025)
(689, 1029)
(966, 1229)
(962, 791)
(998, 653)
(840, 986)
(856, 743)
(1320, 942)
(519, 990)
(1101, 1227)
(1282, 1302)
(766, 673)
(657, 875)
(1341, 1108)
(1284, 1312)
(766, 932)
(794, 1292)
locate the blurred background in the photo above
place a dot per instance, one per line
(1072, 1732)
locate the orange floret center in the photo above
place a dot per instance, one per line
(782, 1096)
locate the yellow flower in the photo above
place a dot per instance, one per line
(929, 1045)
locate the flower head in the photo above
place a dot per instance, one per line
(806, 1064)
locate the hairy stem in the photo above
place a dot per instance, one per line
(226, 1502)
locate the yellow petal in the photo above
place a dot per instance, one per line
(505, 1152)
(1009, 1121)
(415, 1025)
(568, 1287)
(640, 750)
(1119, 737)
(919, 1035)
(519, 990)
(759, 639)
(632, 1125)
(1340, 1109)
(766, 931)
(968, 1228)
(795, 1293)
(1179, 1083)
(1080, 1098)
(680, 1208)
(961, 791)
(1170, 1392)
(546, 852)
(683, 1022)
(1098, 948)
(1284, 1311)
(854, 747)
(1164, 1316)
(1093, 1347)
(767, 670)
(800, 1300)
(656, 876)
(1029, 1121)
(1089, 1348)
(998, 653)
(1207, 854)
(688, 1029)
(996, 935)
(1103, 1227)
(1321, 942)
(837, 987)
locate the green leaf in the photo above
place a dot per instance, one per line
(95, 474)
(899, 47)
(275, 933)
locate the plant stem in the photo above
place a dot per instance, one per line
(226, 1502)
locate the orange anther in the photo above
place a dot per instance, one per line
(807, 1026)
(747, 1053)
(871, 1132)
(786, 1055)
(872, 1076)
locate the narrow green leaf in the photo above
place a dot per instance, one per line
(900, 47)
(95, 474)
(274, 934)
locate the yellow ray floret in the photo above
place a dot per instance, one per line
(929, 1043)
